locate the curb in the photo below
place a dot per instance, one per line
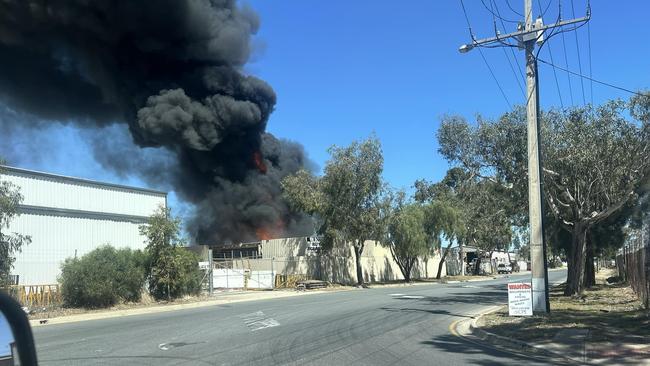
(513, 344)
(484, 338)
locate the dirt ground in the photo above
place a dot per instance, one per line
(611, 312)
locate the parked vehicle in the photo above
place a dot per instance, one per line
(504, 268)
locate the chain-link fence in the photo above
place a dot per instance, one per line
(633, 262)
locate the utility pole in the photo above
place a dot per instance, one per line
(527, 35)
(537, 246)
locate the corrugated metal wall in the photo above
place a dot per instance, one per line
(56, 237)
(69, 194)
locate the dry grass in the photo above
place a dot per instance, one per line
(146, 301)
(610, 312)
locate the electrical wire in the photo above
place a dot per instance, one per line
(546, 9)
(495, 78)
(493, 14)
(557, 84)
(566, 61)
(513, 10)
(591, 83)
(592, 79)
(469, 25)
(512, 68)
(582, 84)
(467, 20)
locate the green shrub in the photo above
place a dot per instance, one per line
(103, 277)
(175, 273)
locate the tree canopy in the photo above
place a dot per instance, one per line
(172, 270)
(595, 160)
(347, 201)
(407, 236)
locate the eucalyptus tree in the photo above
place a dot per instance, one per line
(475, 209)
(595, 161)
(348, 201)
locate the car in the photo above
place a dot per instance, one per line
(504, 268)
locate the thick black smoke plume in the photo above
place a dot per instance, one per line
(172, 71)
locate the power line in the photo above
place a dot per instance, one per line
(545, 10)
(511, 50)
(498, 16)
(513, 10)
(566, 63)
(557, 84)
(592, 79)
(591, 83)
(582, 84)
(494, 77)
(467, 20)
(469, 25)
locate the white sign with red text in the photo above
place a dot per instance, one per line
(520, 299)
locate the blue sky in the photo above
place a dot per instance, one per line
(345, 69)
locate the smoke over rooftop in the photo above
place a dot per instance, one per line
(172, 72)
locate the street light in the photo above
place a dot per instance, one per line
(465, 48)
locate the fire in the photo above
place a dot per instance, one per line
(259, 162)
(267, 233)
(263, 234)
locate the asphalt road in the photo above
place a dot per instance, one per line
(381, 326)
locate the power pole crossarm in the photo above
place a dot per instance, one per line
(521, 35)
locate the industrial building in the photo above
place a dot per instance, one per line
(261, 260)
(68, 217)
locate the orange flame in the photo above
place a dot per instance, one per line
(263, 234)
(268, 233)
(259, 162)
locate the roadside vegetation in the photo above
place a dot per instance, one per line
(108, 276)
(103, 277)
(596, 173)
(10, 243)
(611, 312)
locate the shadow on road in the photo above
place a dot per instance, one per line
(484, 295)
(429, 311)
(484, 355)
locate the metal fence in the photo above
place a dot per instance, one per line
(633, 263)
(262, 273)
(36, 295)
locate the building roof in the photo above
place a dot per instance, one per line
(88, 182)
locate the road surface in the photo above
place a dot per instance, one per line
(380, 326)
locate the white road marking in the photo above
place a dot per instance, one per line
(263, 324)
(396, 295)
(412, 297)
(163, 346)
(258, 321)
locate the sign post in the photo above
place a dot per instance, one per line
(520, 299)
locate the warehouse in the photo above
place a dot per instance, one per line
(303, 256)
(68, 217)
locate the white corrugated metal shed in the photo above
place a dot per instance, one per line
(68, 216)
